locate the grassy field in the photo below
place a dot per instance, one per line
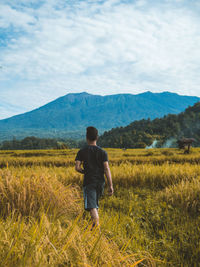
(153, 218)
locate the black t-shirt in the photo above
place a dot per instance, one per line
(92, 158)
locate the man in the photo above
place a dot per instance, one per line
(95, 165)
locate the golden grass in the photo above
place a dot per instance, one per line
(44, 242)
(153, 176)
(41, 210)
(65, 158)
(30, 194)
(185, 195)
(41, 224)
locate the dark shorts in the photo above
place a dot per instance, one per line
(91, 194)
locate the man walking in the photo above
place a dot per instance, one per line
(95, 165)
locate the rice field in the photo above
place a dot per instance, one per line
(153, 218)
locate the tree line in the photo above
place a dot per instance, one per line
(142, 133)
(32, 142)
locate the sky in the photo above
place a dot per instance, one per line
(49, 48)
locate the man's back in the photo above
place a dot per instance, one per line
(93, 158)
(95, 164)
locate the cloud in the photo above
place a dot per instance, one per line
(51, 48)
(7, 109)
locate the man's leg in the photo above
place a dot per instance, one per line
(95, 217)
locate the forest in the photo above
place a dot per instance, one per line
(142, 133)
(32, 142)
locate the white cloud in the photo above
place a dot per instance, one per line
(11, 17)
(103, 47)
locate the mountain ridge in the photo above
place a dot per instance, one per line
(75, 111)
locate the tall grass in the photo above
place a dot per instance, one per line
(42, 224)
(185, 195)
(152, 219)
(45, 242)
(28, 195)
(153, 176)
(65, 158)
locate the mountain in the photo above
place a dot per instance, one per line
(162, 132)
(69, 115)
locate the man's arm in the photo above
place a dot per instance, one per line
(78, 167)
(108, 176)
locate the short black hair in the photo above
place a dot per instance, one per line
(92, 133)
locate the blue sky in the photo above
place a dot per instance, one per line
(53, 47)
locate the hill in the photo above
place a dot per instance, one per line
(68, 116)
(160, 131)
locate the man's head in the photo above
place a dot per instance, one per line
(92, 133)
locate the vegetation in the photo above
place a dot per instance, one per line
(152, 219)
(162, 132)
(68, 116)
(140, 134)
(32, 142)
